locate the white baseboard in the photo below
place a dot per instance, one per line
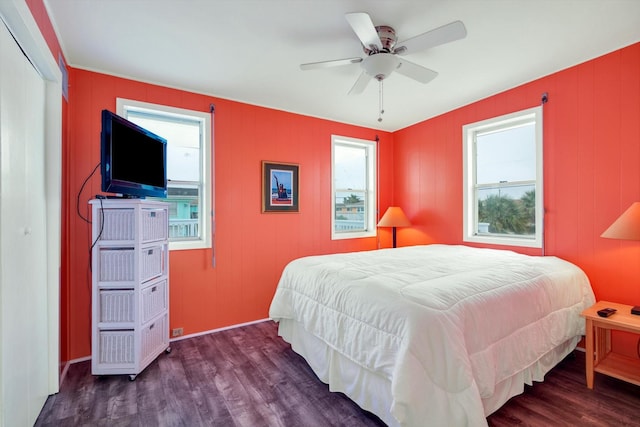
(69, 363)
(212, 331)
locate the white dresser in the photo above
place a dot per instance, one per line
(130, 285)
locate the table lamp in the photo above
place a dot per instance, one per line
(394, 217)
(626, 227)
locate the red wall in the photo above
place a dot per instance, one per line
(592, 174)
(251, 247)
(591, 167)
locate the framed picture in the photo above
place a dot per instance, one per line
(280, 191)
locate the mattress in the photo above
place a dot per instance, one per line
(449, 331)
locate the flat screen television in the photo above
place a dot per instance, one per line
(133, 161)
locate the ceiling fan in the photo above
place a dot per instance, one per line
(383, 53)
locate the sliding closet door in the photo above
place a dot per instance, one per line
(24, 335)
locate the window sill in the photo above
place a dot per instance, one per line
(504, 241)
(355, 235)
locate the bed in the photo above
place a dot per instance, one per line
(431, 334)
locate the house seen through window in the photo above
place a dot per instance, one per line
(188, 135)
(353, 188)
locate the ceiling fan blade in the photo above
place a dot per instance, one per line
(365, 30)
(360, 84)
(441, 35)
(327, 64)
(415, 71)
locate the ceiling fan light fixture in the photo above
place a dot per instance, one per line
(379, 45)
(380, 65)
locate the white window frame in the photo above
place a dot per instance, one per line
(470, 203)
(371, 190)
(206, 177)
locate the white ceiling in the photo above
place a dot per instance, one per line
(250, 50)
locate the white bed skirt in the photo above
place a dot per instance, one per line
(372, 391)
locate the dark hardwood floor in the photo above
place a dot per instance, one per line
(248, 376)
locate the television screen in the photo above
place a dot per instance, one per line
(133, 160)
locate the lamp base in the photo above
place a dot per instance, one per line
(635, 310)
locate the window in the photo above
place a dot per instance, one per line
(353, 188)
(503, 200)
(189, 147)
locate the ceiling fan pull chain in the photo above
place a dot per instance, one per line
(380, 100)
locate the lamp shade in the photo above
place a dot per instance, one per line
(394, 217)
(627, 226)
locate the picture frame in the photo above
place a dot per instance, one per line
(280, 187)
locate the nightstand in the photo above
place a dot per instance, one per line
(599, 357)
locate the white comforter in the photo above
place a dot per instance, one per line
(444, 324)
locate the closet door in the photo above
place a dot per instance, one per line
(23, 258)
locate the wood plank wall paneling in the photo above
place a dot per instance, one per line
(592, 169)
(592, 173)
(251, 249)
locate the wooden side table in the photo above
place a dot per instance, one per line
(599, 357)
